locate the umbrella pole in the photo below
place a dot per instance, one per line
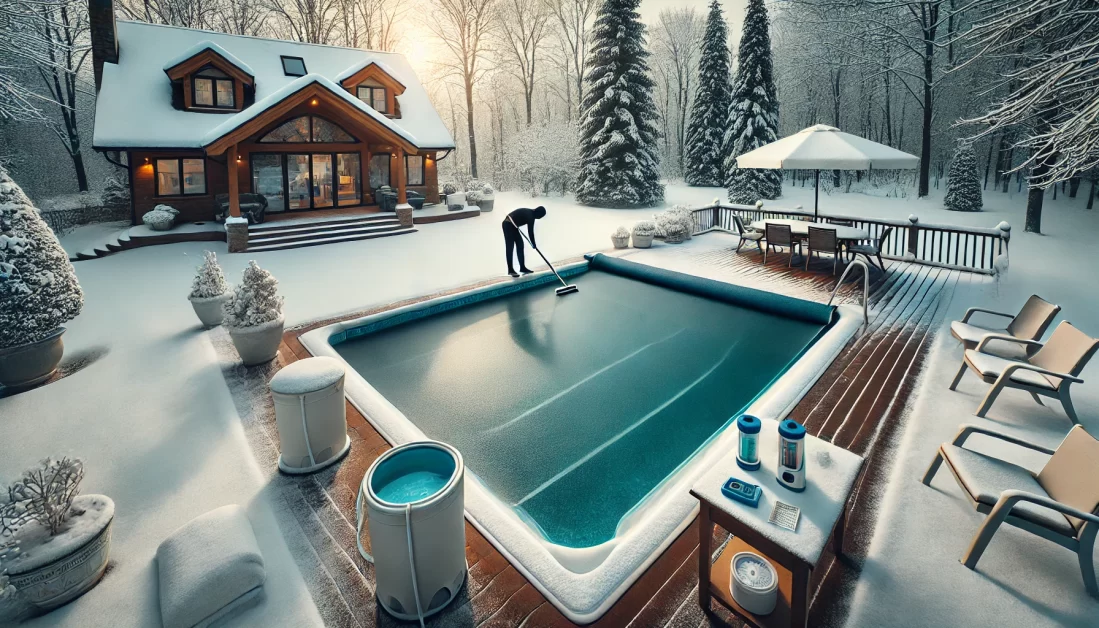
(816, 198)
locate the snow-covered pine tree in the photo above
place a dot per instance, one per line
(753, 111)
(619, 162)
(710, 112)
(38, 287)
(255, 299)
(963, 184)
(210, 279)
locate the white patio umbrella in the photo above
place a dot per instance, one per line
(824, 147)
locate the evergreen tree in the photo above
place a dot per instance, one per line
(710, 112)
(753, 111)
(619, 162)
(963, 184)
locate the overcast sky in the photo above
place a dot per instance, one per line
(734, 11)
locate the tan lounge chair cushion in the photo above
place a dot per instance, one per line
(1032, 320)
(985, 478)
(1072, 475)
(971, 335)
(992, 366)
(1067, 350)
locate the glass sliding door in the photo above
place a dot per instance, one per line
(322, 181)
(267, 179)
(350, 179)
(298, 182)
(379, 171)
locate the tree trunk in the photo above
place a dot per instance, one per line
(928, 103)
(988, 162)
(469, 124)
(1035, 198)
(1073, 186)
(1094, 193)
(81, 175)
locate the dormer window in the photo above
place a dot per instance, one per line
(293, 66)
(373, 96)
(213, 88)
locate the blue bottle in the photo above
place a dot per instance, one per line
(791, 455)
(747, 455)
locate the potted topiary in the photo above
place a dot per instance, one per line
(253, 315)
(620, 238)
(38, 291)
(473, 198)
(160, 218)
(449, 188)
(209, 291)
(488, 198)
(643, 233)
(456, 202)
(55, 543)
(675, 233)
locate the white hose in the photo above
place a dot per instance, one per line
(412, 562)
(359, 525)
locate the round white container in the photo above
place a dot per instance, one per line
(311, 414)
(753, 583)
(431, 560)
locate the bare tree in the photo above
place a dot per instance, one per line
(523, 27)
(464, 27)
(309, 21)
(574, 19)
(371, 24)
(187, 13)
(241, 17)
(677, 39)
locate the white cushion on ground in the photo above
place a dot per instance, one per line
(209, 568)
(308, 375)
(992, 366)
(985, 478)
(972, 334)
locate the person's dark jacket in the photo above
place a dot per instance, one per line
(525, 216)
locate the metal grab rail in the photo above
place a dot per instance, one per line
(865, 287)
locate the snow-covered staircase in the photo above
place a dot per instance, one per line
(275, 236)
(110, 244)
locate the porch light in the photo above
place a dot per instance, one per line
(313, 102)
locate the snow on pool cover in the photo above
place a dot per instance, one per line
(575, 411)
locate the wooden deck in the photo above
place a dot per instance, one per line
(858, 404)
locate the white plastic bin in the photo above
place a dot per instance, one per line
(414, 495)
(310, 414)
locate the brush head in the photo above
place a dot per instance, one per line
(569, 289)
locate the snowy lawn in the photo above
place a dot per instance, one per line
(154, 420)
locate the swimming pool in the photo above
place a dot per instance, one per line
(582, 418)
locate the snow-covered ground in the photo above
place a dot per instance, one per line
(154, 420)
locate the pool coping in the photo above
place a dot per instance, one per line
(582, 583)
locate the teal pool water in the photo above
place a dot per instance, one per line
(411, 487)
(572, 409)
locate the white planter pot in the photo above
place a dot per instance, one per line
(486, 204)
(209, 310)
(620, 243)
(675, 239)
(642, 241)
(55, 573)
(27, 365)
(259, 344)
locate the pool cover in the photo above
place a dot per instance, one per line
(572, 409)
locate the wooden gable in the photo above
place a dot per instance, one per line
(373, 75)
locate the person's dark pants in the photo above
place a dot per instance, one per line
(513, 241)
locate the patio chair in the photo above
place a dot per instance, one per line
(823, 240)
(1029, 324)
(779, 236)
(872, 249)
(746, 234)
(1050, 372)
(1060, 503)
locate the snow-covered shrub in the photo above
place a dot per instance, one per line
(255, 300)
(674, 233)
(679, 214)
(487, 192)
(621, 232)
(209, 280)
(38, 287)
(963, 185)
(473, 197)
(542, 157)
(44, 495)
(644, 228)
(115, 193)
(160, 218)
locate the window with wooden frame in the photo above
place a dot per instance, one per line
(213, 88)
(373, 96)
(414, 165)
(304, 129)
(180, 176)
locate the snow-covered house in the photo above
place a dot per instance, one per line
(194, 114)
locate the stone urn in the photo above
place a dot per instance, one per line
(49, 574)
(210, 310)
(258, 344)
(642, 241)
(620, 242)
(27, 365)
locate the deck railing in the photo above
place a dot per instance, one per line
(975, 249)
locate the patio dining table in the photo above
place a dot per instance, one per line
(800, 228)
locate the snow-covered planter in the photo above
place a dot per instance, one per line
(160, 218)
(253, 315)
(450, 188)
(55, 544)
(488, 198)
(674, 233)
(209, 292)
(620, 238)
(456, 202)
(679, 215)
(643, 233)
(38, 291)
(473, 197)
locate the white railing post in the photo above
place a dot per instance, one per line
(1001, 264)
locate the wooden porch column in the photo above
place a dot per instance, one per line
(402, 178)
(234, 181)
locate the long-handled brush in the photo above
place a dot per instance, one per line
(567, 288)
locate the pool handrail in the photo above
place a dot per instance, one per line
(865, 287)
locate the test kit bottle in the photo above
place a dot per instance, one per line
(791, 455)
(747, 455)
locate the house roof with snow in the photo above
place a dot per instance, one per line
(134, 106)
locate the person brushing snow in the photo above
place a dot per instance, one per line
(513, 240)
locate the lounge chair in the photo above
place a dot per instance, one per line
(873, 249)
(823, 240)
(746, 235)
(1060, 503)
(779, 236)
(1053, 368)
(1029, 324)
